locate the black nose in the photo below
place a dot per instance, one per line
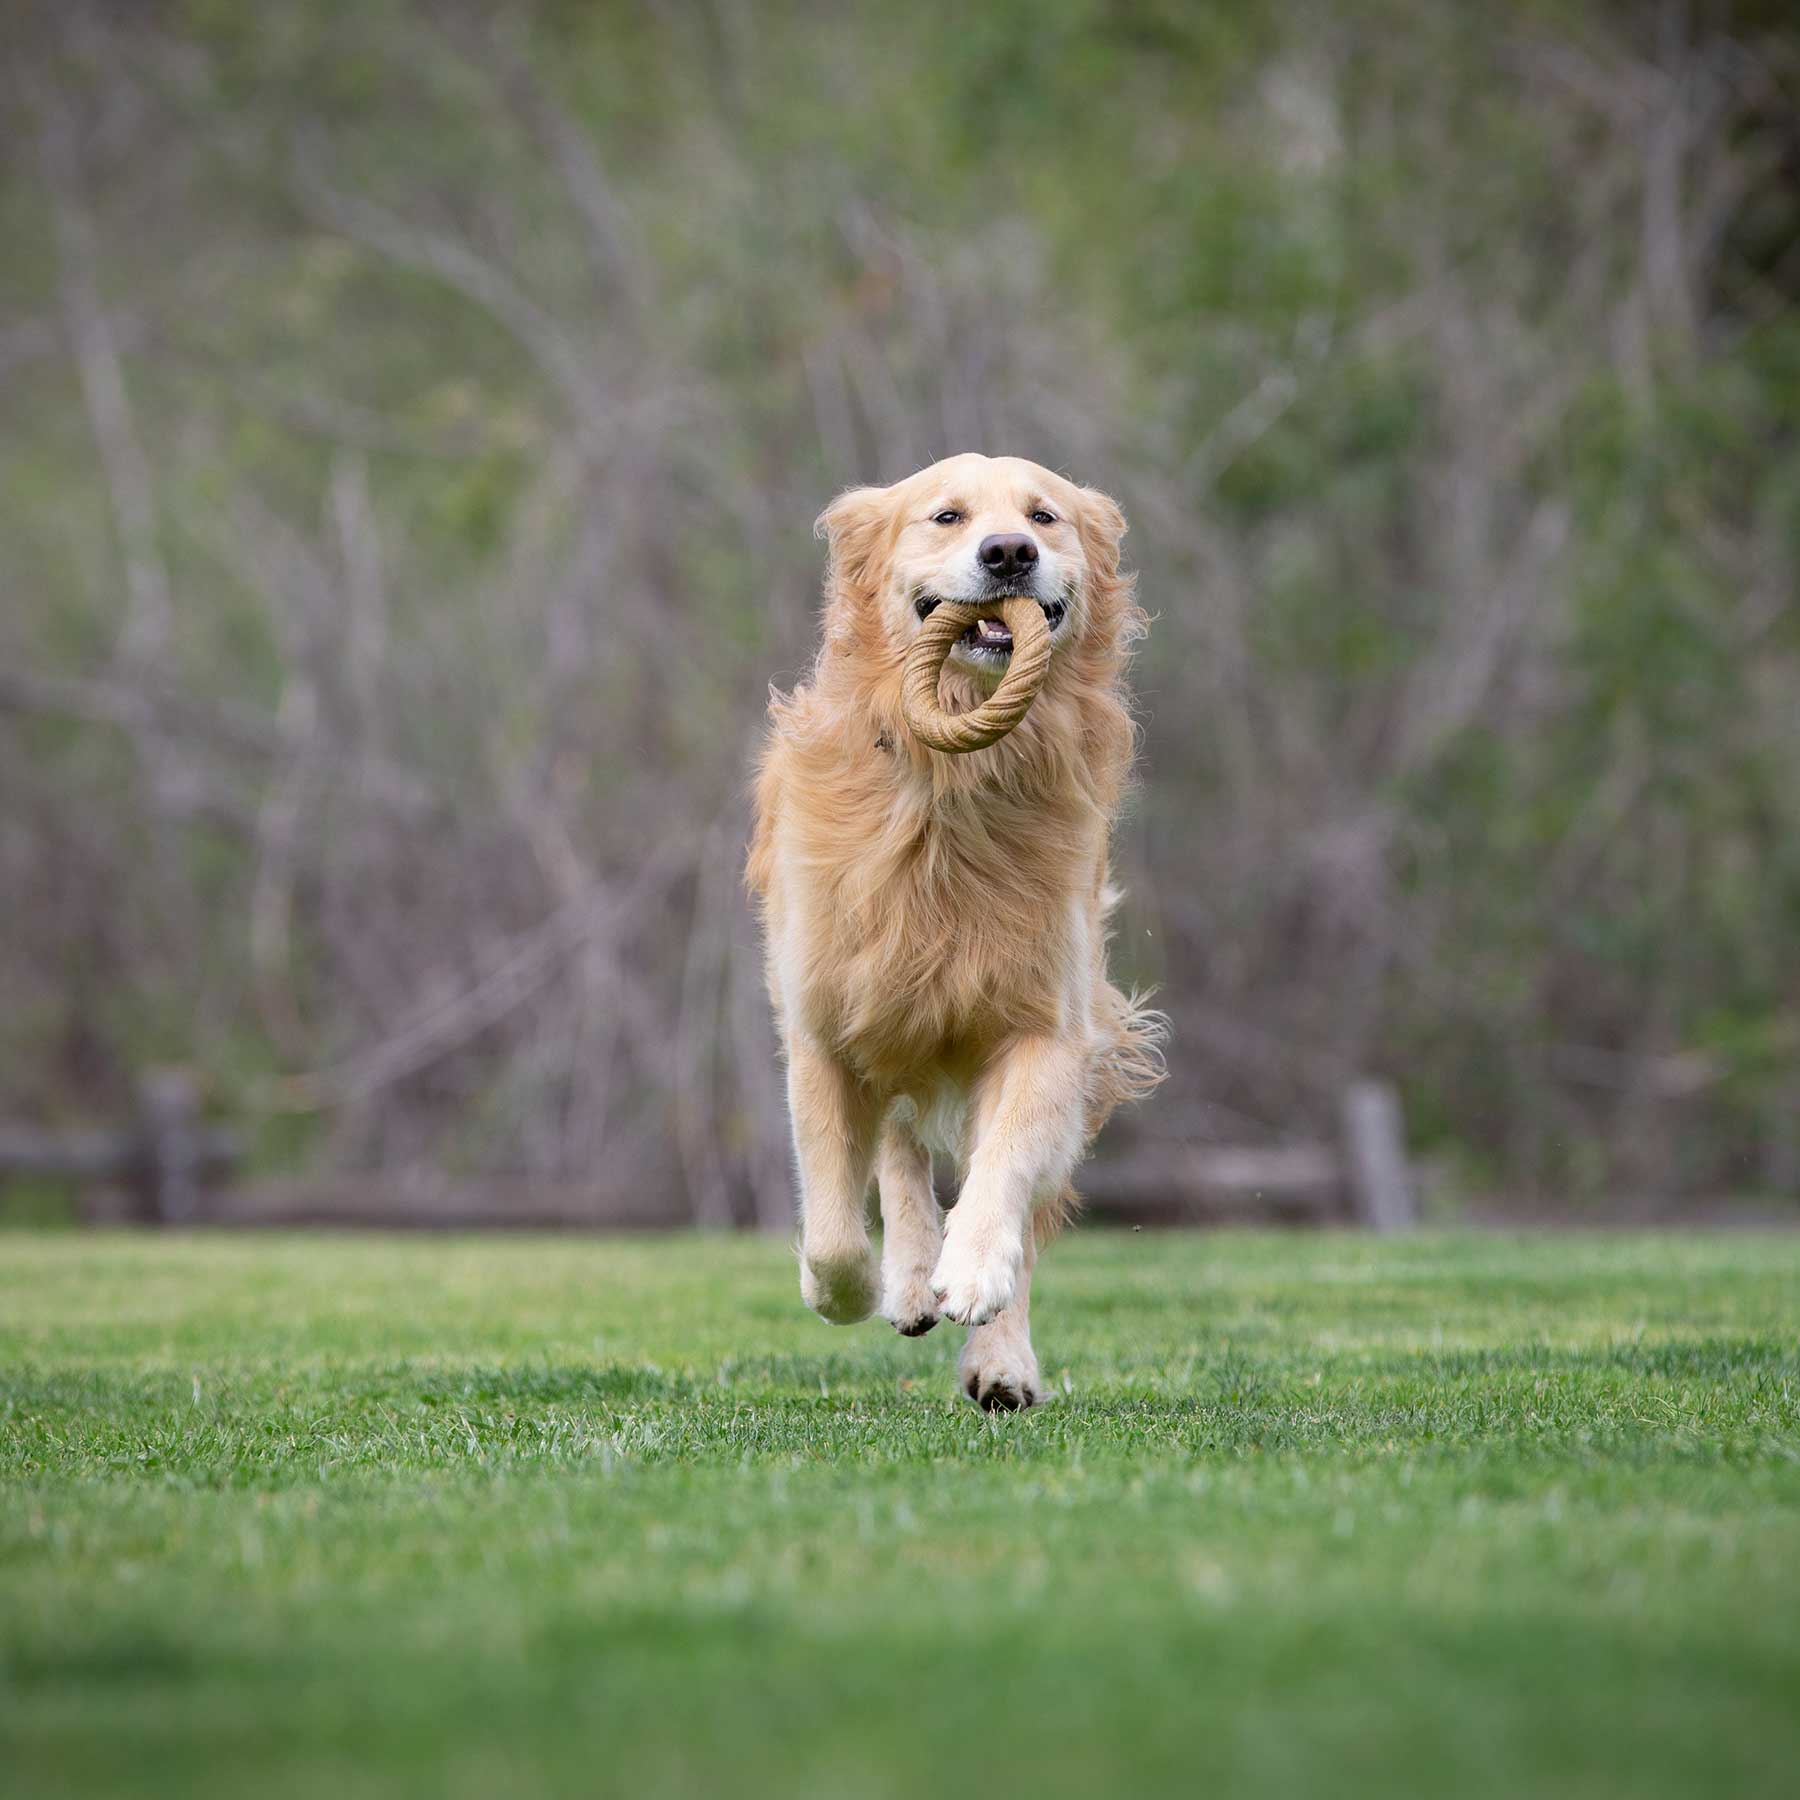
(1006, 553)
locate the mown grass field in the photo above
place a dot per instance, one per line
(1309, 1515)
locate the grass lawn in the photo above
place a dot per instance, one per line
(1309, 1516)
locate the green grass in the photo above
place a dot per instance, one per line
(1308, 1515)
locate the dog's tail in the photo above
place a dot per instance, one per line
(1130, 1034)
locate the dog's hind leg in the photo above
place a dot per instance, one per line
(912, 1229)
(835, 1118)
(999, 1369)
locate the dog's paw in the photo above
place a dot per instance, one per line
(907, 1302)
(975, 1281)
(1002, 1379)
(841, 1289)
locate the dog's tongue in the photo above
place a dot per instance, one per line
(992, 634)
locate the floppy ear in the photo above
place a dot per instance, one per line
(853, 525)
(1102, 527)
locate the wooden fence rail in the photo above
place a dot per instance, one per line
(1364, 1178)
(178, 1171)
(166, 1160)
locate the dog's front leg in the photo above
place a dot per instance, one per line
(835, 1117)
(912, 1230)
(1028, 1126)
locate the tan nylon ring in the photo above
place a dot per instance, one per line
(958, 733)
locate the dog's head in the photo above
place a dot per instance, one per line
(975, 528)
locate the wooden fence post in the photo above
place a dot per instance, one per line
(170, 1148)
(1375, 1158)
(1781, 1141)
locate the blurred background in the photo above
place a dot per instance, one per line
(412, 418)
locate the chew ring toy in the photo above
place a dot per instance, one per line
(958, 733)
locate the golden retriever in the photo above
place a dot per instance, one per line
(936, 925)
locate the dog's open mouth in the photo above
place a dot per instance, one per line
(988, 634)
(990, 638)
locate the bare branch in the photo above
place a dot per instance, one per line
(150, 611)
(444, 1026)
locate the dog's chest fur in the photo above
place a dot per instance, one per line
(936, 920)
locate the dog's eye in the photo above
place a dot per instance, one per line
(949, 516)
(1040, 517)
